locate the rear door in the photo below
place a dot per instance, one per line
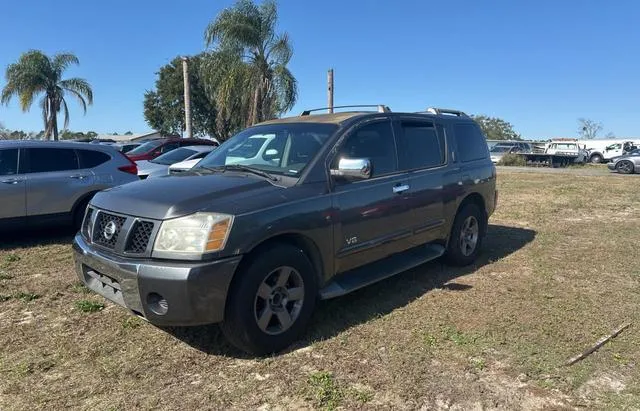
(374, 219)
(422, 154)
(54, 180)
(12, 185)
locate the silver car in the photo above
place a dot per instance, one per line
(159, 166)
(52, 182)
(626, 164)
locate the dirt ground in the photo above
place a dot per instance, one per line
(560, 269)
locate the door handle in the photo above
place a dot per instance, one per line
(400, 188)
(78, 176)
(11, 181)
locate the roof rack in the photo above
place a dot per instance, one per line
(380, 107)
(439, 111)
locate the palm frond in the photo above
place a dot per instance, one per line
(62, 61)
(66, 113)
(80, 88)
(286, 89)
(235, 26)
(280, 51)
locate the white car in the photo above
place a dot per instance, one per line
(159, 166)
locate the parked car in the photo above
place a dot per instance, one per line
(498, 151)
(125, 147)
(337, 202)
(52, 182)
(154, 148)
(627, 164)
(160, 165)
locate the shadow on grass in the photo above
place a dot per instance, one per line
(334, 316)
(24, 238)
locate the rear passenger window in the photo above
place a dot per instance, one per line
(8, 162)
(43, 160)
(373, 142)
(91, 158)
(420, 146)
(471, 143)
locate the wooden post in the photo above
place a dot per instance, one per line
(330, 90)
(187, 98)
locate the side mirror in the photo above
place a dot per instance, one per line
(353, 169)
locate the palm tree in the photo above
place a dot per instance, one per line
(36, 74)
(247, 68)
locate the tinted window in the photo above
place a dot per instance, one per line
(42, 160)
(374, 142)
(420, 146)
(91, 159)
(145, 148)
(471, 143)
(169, 146)
(174, 156)
(8, 162)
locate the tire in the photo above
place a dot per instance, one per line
(260, 299)
(625, 167)
(79, 211)
(464, 246)
(596, 159)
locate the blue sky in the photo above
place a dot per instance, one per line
(540, 65)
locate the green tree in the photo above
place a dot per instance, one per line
(128, 133)
(36, 74)
(164, 106)
(246, 67)
(92, 134)
(496, 128)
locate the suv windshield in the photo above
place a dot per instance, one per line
(283, 149)
(145, 148)
(174, 156)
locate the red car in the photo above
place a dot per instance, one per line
(154, 148)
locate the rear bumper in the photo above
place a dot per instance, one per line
(162, 292)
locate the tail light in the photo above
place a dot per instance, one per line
(130, 168)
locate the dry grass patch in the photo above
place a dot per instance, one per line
(560, 269)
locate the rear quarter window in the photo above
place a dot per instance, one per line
(470, 142)
(91, 158)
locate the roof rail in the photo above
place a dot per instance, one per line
(380, 107)
(439, 111)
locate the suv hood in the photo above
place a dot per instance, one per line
(176, 196)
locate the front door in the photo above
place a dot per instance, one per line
(54, 181)
(374, 219)
(12, 185)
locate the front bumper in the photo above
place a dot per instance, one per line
(611, 166)
(163, 292)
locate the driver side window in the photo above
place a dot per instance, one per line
(374, 142)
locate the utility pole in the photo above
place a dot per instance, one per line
(330, 90)
(187, 97)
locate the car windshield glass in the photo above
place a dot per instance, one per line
(501, 149)
(174, 156)
(281, 149)
(145, 148)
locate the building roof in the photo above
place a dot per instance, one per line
(129, 137)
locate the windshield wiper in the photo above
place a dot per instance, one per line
(240, 167)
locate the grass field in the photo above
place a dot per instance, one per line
(560, 269)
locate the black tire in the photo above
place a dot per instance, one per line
(244, 303)
(596, 159)
(625, 167)
(79, 211)
(454, 254)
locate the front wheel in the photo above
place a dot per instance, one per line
(467, 235)
(596, 159)
(625, 167)
(270, 304)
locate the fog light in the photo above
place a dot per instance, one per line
(157, 304)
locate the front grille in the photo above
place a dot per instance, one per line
(139, 237)
(102, 234)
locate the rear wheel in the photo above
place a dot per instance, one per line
(625, 167)
(467, 235)
(270, 305)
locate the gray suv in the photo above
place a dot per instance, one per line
(335, 202)
(52, 182)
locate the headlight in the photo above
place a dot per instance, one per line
(194, 235)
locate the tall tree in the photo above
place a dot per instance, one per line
(588, 129)
(247, 64)
(496, 128)
(37, 75)
(164, 106)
